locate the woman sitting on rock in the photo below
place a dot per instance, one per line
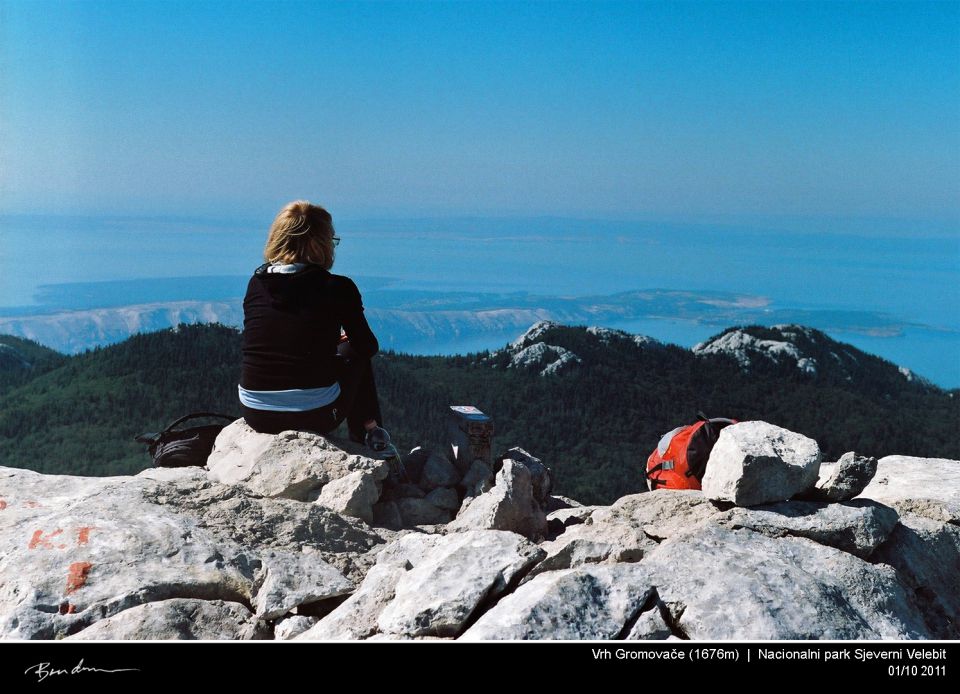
(299, 370)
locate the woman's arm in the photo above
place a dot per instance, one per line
(362, 340)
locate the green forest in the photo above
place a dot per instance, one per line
(593, 424)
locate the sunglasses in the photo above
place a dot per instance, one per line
(336, 241)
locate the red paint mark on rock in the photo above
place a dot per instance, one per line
(83, 534)
(77, 575)
(31, 504)
(38, 541)
(67, 608)
(3, 504)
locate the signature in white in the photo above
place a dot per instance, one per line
(43, 670)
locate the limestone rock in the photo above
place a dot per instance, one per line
(231, 514)
(386, 514)
(438, 471)
(401, 490)
(357, 617)
(291, 627)
(756, 463)
(627, 530)
(555, 503)
(76, 550)
(445, 498)
(927, 487)
(926, 553)
(510, 505)
(177, 619)
(439, 593)
(738, 584)
(590, 602)
(857, 527)
(478, 480)
(659, 514)
(843, 479)
(587, 544)
(287, 465)
(650, 626)
(291, 580)
(539, 474)
(421, 512)
(563, 518)
(352, 495)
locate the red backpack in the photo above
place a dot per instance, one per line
(680, 459)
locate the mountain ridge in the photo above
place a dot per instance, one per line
(595, 419)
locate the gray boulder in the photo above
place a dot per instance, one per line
(445, 498)
(739, 584)
(456, 574)
(438, 471)
(292, 580)
(177, 619)
(650, 626)
(756, 463)
(287, 465)
(563, 518)
(627, 530)
(386, 514)
(539, 474)
(659, 514)
(590, 602)
(357, 617)
(478, 480)
(857, 527)
(509, 505)
(555, 503)
(352, 495)
(843, 479)
(291, 627)
(415, 512)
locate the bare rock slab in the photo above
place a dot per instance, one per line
(858, 527)
(75, 550)
(455, 575)
(740, 584)
(926, 554)
(177, 619)
(927, 487)
(590, 602)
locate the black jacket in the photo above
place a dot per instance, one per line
(291, 327)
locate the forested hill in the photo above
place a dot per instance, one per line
(592, 403)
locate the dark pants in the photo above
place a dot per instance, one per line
(357, 403)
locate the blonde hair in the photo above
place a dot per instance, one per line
(301, 233)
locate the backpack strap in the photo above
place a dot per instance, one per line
(197, 415)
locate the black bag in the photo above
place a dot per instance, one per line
(185, 447)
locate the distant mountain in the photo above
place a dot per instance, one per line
(590, 401)
(21, 359)
(813, 353)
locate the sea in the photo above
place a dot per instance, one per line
(892, 293)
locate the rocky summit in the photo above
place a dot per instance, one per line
(300, 536)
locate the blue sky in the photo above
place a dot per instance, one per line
(676, 111)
